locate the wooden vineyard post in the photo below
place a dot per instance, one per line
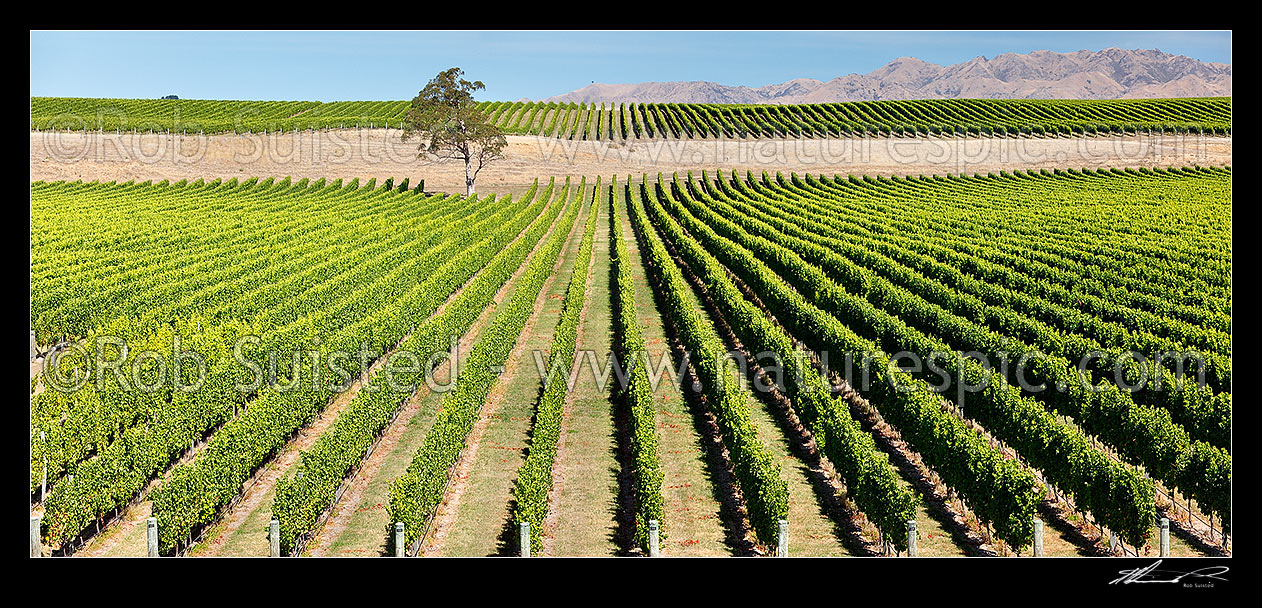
(782, 540)
(1165, 537)
(911, 538)
(523, 538)
(1038, 537)
(151, 536)
(37, 548)
(273, 537)
(653, 537)
(43, 482)
(398, 539)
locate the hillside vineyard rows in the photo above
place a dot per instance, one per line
(249, 290)
(623, 121)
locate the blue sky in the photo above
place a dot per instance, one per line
(331, 66)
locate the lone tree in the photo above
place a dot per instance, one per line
(445, 115)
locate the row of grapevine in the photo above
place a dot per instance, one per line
(1143, 435)
(301, 499)
(534, 477)
(873, 484)
(1119, 497)
(210, 116)
(939, 117)
(757, 474)
(196, 492)
(415, 495)
(637, 396)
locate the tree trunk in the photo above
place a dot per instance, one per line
(468, 176)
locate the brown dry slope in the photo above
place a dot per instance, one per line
(382, 154)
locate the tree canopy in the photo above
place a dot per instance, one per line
(445, 115)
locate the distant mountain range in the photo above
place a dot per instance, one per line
(1109, 74)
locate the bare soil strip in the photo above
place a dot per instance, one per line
(813, 502)
(37, 376)
(381, 153)
(693, 500)
(586, 515)
(445, 522)
(126, 537)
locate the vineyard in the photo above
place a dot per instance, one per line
(749, 340)
(638, 121)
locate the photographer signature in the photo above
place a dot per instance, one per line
(1150, 574)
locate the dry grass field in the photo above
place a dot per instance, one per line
(382, 154)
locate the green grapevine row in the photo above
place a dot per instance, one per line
(534, 477)
(874, 484)
(416, 494)
(580, 121)
(302, 498)
(196, 492)
(1116, 495)
(637, 396)
(757, 474)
